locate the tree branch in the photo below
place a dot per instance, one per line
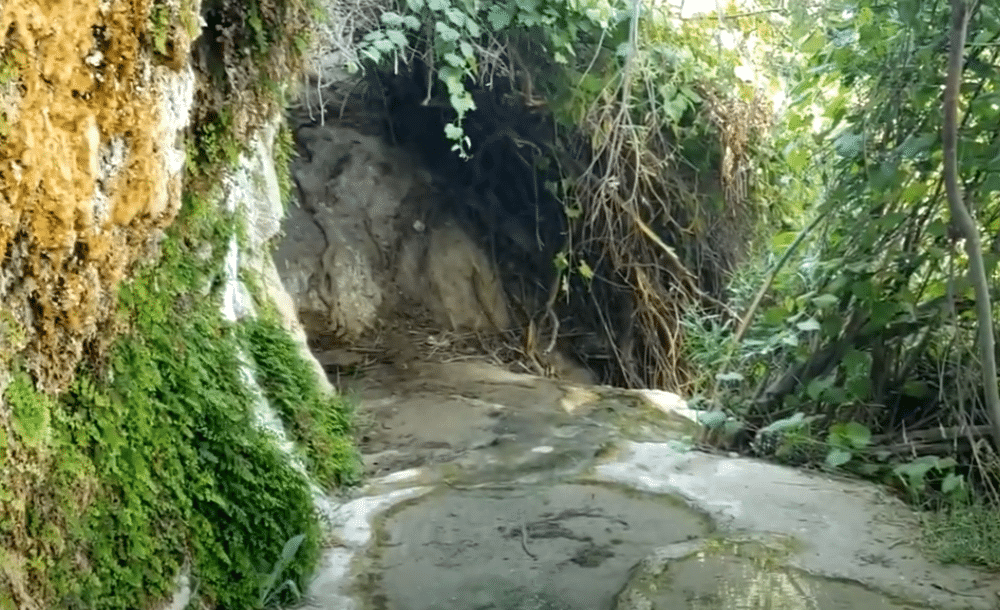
(961, 217)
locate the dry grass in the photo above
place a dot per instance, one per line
(648, 217)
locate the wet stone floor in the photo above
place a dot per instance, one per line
(494, 491)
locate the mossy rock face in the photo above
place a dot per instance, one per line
(322, 424)
(128, 446)
(161, 463)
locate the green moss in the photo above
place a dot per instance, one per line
(284, 152)
(30, 412)
(215, 146)
(321, 424)
(159, 27)
(12, 335)
(163, 439)
(12, 62)
(183, 470)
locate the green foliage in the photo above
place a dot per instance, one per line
(916, 477)
(875, 306)
(169, 430)
(322, 424)
(31, 412)
(269, 587)
(845, 440)
(452, 32)
(214, 147)
(966, 532)
(159, 18)
(152, 459)
(160, 461)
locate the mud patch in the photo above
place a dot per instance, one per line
(563, 546)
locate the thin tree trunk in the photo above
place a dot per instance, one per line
(961, 217)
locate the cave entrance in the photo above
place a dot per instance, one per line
(399, 250)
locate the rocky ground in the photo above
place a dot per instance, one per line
(489, 489)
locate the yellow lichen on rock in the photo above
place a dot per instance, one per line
(83, 169)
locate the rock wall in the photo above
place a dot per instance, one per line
(254, 193)
(102, 122)
(90, 169)
(372, 234)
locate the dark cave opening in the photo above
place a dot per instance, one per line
(498, 194)
(504, 195)
(507, 196)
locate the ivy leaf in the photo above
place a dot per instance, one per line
(711, 419)
(453, 131)
(411, 22)
(793, 421)
(392, 19)
(837, 457)
(384, 45)
(783, 240)
(498, 17)
(798, 159)
(915, 472)
(462, 103)
(813, 44)
(473, 28)
(952, 482)
(808, 325)
(415, 5)
(913, 146)
(866, 16)
(466, 49)
(849, 145)
(825, 301)
(849, 435)
(456, 16)
(437, 5)
(690, 94)
(397, 37)
(597, 17)
(818, 386)
(446, 32)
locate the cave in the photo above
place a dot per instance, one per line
(398, 248)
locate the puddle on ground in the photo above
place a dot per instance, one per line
(739, 576)
(559, 547)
